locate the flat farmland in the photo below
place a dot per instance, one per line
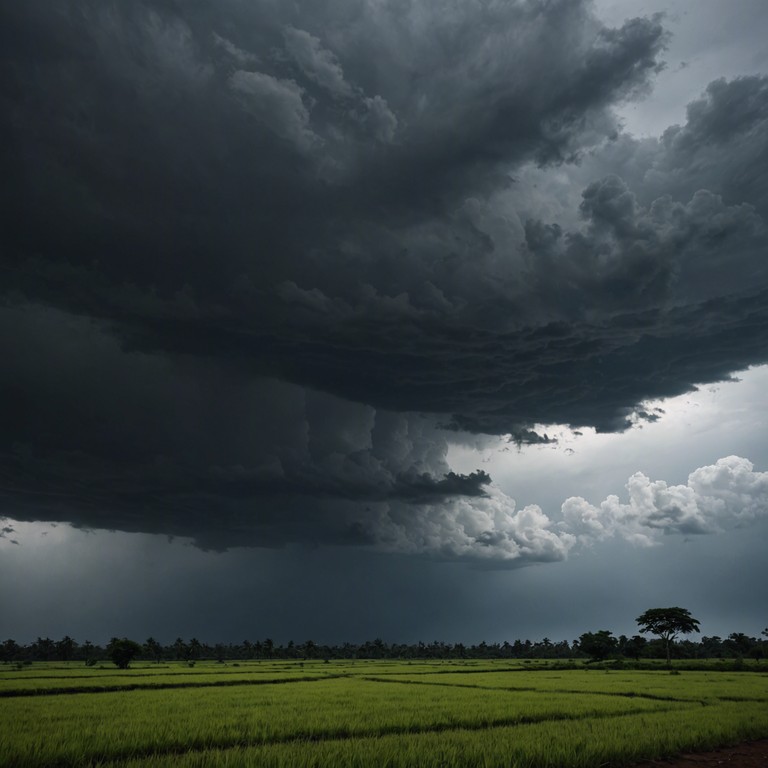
(364, 713)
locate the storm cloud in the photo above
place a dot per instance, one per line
(263, 262)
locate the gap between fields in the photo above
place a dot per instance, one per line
(19, 692)
(625, 694)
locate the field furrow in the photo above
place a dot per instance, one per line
(580, 743)
(349, 714)
(154, 685)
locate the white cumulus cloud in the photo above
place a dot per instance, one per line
(722, 495)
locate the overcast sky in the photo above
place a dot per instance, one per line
(356, 318)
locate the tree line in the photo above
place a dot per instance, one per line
(597, 646)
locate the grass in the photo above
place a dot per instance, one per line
(369, 713)
(582, 743)
(695, 686)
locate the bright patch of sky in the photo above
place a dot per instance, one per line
(706, 43)
(696, 429)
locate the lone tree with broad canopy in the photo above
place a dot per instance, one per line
(598, 645)
(122, 651)
(667, 624)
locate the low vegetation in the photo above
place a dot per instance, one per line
(601, 701)
(523, 713)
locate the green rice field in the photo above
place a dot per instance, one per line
(369, 713)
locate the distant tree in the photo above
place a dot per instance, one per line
(65, 648)
(563, 649)
(195, 648)
(738, 643)
(43, 648)
(87, 652)
(667, 624)
(10, 650)
(153, 649)
(634, 647)
(122, 651)
(711, 647)
(180, 648)
(310, 649)
(598, 645)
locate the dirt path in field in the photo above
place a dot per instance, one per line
(751, 754)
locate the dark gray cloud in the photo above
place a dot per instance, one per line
(259, 260)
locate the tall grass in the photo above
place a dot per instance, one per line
(373, 714)
(583, 743)
(688, 686)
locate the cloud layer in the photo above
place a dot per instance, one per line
(262, 260)
(726, 494)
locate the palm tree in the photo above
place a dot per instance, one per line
(154, 649)
(180, 648)
(65, 648)
(194, 648)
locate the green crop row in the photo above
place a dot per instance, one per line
(582, 743)
(688, 686)
(116, 682)
(360, 715)
(46, 730)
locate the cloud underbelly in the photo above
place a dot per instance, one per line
(262, 260)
